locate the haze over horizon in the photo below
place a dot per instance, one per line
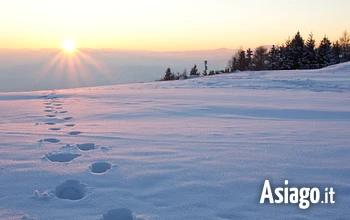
(30, 69)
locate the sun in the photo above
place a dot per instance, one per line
(68, 45)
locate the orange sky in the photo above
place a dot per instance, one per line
(162, 25)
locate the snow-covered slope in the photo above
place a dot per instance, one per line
(195, 149)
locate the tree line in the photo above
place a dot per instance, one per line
(295, 53)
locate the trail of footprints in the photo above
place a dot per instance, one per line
(54, 106)
(72, 189)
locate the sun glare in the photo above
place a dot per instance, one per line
(68, 45)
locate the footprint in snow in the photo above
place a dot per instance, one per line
(50, 123)
(48, 110)
(120, 214)
(50, 116)
(87, 146)
(63, 112)
(71, 190)
(105, 149)
(61, 157)
(67, 118)
(74, 133)
(58, 104)
(69, 125)
(100, 167)
(54, 129)
(58, 108)
(52, 140)
(48, 106)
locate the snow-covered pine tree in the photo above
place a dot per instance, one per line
(287, 56)
(336, 52)
(273, 58)
(309, 59)
(297, 51)
(281, 56)
(324, 52)
(344, 42)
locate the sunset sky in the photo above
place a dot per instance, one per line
(162, 25)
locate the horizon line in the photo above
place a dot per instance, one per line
(130, 50)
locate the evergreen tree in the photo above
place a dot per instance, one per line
(249, 58)
(183, 74)
(260, 57)
(345, 45)
(232, 64)
(287, 56)
(205, 73)
(168, 75)
(336, 51)
(324, 52)
(273, 58)
(309, 59)
(280, 57)
(241, 60)
(194, 71)
(297, 51)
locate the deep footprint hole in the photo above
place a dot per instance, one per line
(50, 123)
(71, 190)
(54, 129)
(118, 214)
(61, 157)
(74, 133)
(100, 167)
(52, 140)
(87, 147)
